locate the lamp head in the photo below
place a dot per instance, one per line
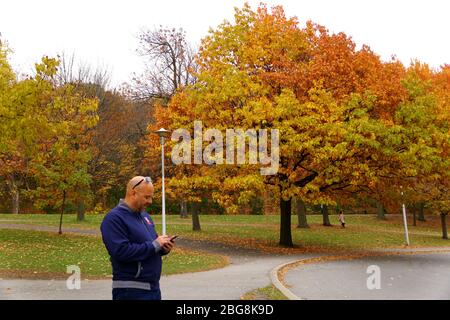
(163, 133)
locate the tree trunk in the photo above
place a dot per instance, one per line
(14, 190)
(80, 211)
(421, 215)
(183, 209)
(444, 225)
(300, 209)
(325, 216)
(414, 209)
(15, 201)
(62, 212)
(195, 217)
(380, 211)
(285, 223)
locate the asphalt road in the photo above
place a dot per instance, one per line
(401, 277)
(229, 283)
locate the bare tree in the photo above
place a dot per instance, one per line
(169, 66)
(81, 73)
(169, 63)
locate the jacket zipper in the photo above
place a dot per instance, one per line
(139, 270)
(140, 263)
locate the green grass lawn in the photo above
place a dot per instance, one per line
(362, 231)
(37, 254)
(266, 293)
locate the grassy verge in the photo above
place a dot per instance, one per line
(262, 232)
(44, 255)
(266, 293)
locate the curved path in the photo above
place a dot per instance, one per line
(405, 275)
(248, 270)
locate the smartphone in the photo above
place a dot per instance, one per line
(173, 238)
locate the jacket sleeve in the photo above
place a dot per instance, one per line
(163, 252)
(119, 247)
(157, 246)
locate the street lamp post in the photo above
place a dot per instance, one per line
(163, 133)
(405, 223)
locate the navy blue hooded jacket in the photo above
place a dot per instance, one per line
(130, 238)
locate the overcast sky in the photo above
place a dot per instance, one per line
(103, 32)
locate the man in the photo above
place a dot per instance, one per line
(135, 248)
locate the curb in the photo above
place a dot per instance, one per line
(277, 283)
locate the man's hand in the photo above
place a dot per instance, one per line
(165, 243)
(167, 247)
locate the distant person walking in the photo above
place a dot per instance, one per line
(342, 218)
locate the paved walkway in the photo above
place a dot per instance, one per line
(401, 277)
(248, 270)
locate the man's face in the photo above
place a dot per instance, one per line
(143, 195)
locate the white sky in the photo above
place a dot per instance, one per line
(103, 32)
